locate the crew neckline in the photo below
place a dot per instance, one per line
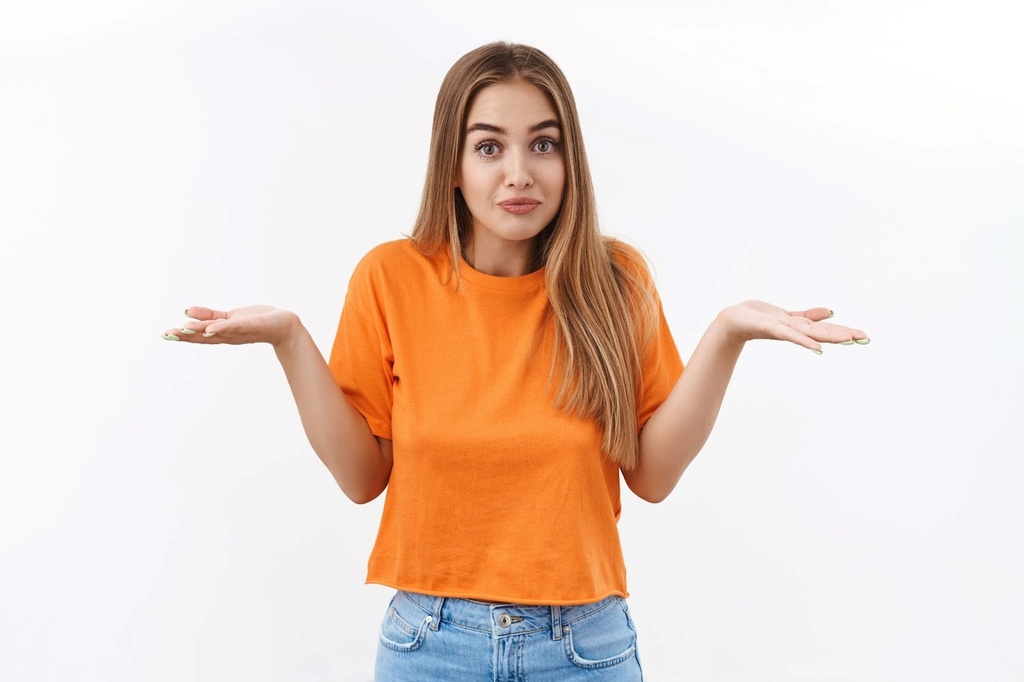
(519, 283)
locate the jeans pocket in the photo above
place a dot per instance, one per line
(406, 633)
(601, 639)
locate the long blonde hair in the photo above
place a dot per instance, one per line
(603, 306)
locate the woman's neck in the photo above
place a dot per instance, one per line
(500, 258)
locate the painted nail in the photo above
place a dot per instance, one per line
(187, 331)
(816, 352)
(170, 337)
(831, 314)
(846, 343)
(208, 334)
(862, 342)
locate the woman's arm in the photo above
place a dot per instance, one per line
(359, 462)
(678, 429)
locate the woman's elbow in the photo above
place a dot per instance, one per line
(363, 495)
(647, 491)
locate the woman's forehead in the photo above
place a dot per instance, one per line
(509, 106)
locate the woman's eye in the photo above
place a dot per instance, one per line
(544, 146)
(487, 148)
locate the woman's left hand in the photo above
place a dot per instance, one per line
(759, 320)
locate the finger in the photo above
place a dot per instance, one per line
(226, 331)
(835, 333)
(784, 332)
(854, 336)
(243, 329)
(188, 334)
(194, 330)
(199, 313)
(813, 314)
(194, 327)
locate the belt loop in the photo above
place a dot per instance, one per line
(556, 622)
(435, 622)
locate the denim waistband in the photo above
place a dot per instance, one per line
(502, 620)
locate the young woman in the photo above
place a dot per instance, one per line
(496, 372)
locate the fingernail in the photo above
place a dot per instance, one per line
(831, 314)
(170, 337)
(816, 352)
(208, 334)
(862, 342)
(846, 343)
(188, 331)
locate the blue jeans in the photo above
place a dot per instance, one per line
(442, 638)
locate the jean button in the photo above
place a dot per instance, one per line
(504, 620)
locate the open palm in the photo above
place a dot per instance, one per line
(250, 324)
(759, 320)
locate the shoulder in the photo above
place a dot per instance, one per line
(394, 254)
(391, 267)
(394, 259)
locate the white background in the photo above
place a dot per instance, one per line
(855, 516)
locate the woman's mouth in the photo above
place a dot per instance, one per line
(519, 206)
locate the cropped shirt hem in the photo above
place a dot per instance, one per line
(501, 599)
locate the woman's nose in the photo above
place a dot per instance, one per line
(517, 170)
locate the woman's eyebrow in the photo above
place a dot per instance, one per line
(487, 127)
(550, 123)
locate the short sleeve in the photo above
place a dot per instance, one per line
(361, 358)
(661, 368)
(661, 365)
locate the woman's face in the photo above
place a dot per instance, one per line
(512, 170)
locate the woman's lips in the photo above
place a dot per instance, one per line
(519, 206)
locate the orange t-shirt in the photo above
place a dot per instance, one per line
(495, 493)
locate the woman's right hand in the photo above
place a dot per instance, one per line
(251, 324)
(359, 462)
